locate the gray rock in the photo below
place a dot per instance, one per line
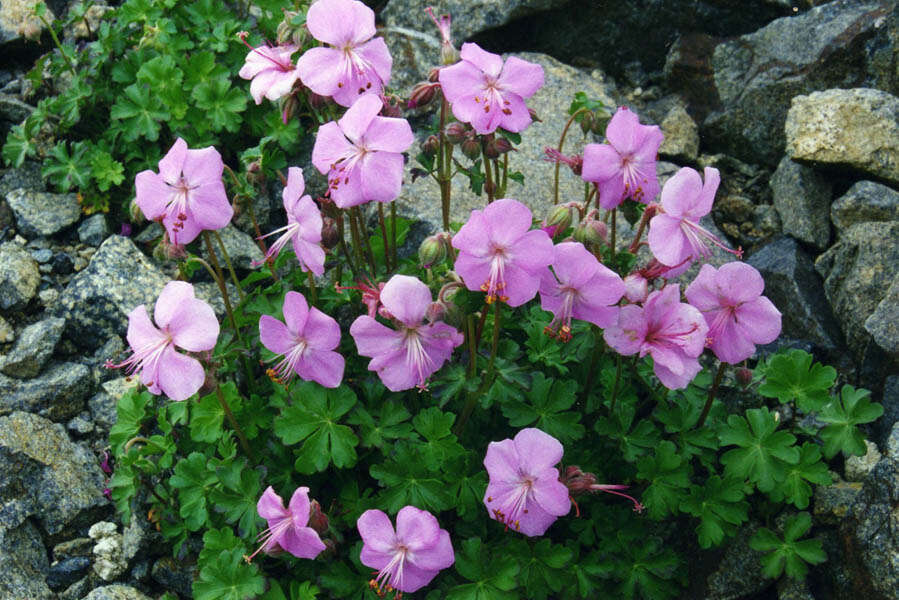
(856, 130)
(865, 201)
(421, 198)
(33, 349)
(7, 333)
(64, 573)
(80, 588)
(890, 400)
(23, 563)
(681, 135)
(28, 177)
(76, 547)
(794, 287)
(43, 213)
(857, 272)
(802, 197)
(116, 592)
(44, 474)
(758, 74)
(739, 573)
(469, 16)
(14, 110)
(834, 502)
(882, 54)
(42, 255)
(872, 530)
(793, 589)
(858, 467)
(93, 230)
(58, 394)
(19, 276)
(174, 575)
(97, 301)
(241, 248)
(883, 324)
(150, 233)
(80, 426)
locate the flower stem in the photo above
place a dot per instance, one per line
(58, 44)
(383, 225)
(495, 342)
(711, 397)
(230, 415)
(228, 263)
(357, 242)
(341, 243)
(216, 276)
(363, 235)
(444, 166)
(615, 385)
(393, 248)
(598, 347)
(614, 232)
(635, 245)
(313, 293)
(488, 173)
(472, 346)
(559, 148)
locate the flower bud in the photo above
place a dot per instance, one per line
(534, 116)
(497, 147)
(559, 219)
(255, 175)
(391, 108)
(744, 376)
(422, 94)
(471, 148)
(435, 312)
(577, 481)
(135, 213)
(587, 122)
(590, 233)
(456, 132)
(318, 520)
(601, 118)
(636, 288)
(434, 75)
(315, 101)
(289, 106)
(433, 250)
(430, 146)
(330, 233)
(288, 33)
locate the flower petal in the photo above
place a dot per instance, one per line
(338, 22)
(759, 320)
(739, 282)
(296, 313)
(389, 134)
(407, 299)
(551, 494)
(180, 376)
(355, 121)
(537, 450)
(194, 326)
(667, 241)
(321, 70)
(382, 176)
(682, 193)
(623, 131)
(208, 206)
(299, 506)
(417, 529)
(377, 532)
(141, 331)
(320, 330)
(488, 62)
(324, 367)
(515, 114)
(461, 80)
(172, 296)
(376, 54)
(270, 505)
(274, 335)
(521, 77)
(171, 164)
(302, 542)
(438, 556)
(502, 460)
(152, 194)
(330, 147)
(372, 338)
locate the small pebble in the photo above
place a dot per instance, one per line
(62, 264)
(42, 256)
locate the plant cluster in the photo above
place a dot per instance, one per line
(456, 442)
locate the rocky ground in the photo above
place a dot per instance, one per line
(796, 104)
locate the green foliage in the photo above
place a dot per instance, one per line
(843, 415)
(720, 507)
(792, 377)
(547, 409)
(763, 454)
(669, 476)
(493, 577)
(228, 577)
(789, 554)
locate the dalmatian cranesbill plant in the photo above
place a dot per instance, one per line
(450, 434)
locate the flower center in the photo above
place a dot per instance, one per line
(417, 358)
(561, 324)
(496, 281)
(286, 367)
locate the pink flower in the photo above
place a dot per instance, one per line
(187, 193)
(410, 557)
(405, 357)
(287, 526)
(355, 64)
(362, 154)
(625, 166)
(739, 317)
(524, 491)
(306, 342)
(498, 253)
(304, 225)
(672, 332)
(675, 235)
(579, 287)
(488, 94)
(636, 287)
(182, 321)
(272, 70)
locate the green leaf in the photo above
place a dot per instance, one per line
(20, 144)
(105, 170)
(542, 566)
(809, 469)
(131, 410)
(764, 453)
(390, 425)
(66, 170)
(407, 480)
(164, 78)
(440, 443)
(207, 417)
(720, 507)
(312, 419)
(221, 103)
(668, 475)
(633, 443)
(228, 577)
(139, 112)
(494, 576)
(792, 376)
(192, 480)
(546, 409)
(853, 408)
(791, 553)
(237, 497)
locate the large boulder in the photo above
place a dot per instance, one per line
(33, 349)
(97, 301)
(865, 201)
(23, 563)
(855, 130)
(758, 74)
(58, 394)
(802, 198)
(421, 198)
(46, 476)
(883, 324)
(42, 213)
(794, 287)
(858, 271)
